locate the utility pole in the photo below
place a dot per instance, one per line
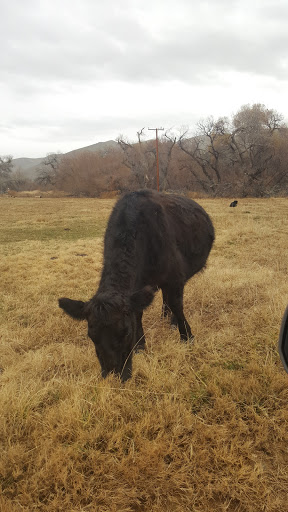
(157, 156)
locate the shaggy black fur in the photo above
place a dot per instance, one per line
(233, 204)
(152, 241)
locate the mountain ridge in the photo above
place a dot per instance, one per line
(29, 166)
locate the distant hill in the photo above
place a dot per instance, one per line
(29, 166)
(103, 147)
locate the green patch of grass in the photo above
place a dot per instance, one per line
(71, 231)
(200, 398)
(232, 365)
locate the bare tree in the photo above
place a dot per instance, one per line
(241, 155)
(166, 151)
(204, 150)
(47, 172)
(6, 167)
(89, 173)
(18, 181)
(255, 141)
(140, 158)
(140, 134)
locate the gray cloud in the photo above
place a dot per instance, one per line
(111, 44)
(52, 49)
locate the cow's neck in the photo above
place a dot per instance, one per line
(119, 272)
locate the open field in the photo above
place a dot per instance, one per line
(199, 428)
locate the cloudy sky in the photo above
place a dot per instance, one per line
(76, 72)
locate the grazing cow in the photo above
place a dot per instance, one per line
(233, 204)
(152, 241)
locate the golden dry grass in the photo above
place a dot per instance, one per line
(198, 428)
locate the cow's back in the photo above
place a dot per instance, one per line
(158, 235)
(192, 229)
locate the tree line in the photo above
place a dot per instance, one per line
(244, 155)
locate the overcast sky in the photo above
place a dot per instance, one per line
(77, 72)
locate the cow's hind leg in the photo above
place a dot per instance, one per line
(166, 310)
(175, 304)
(140, 345)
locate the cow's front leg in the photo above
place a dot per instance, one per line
(140, 336)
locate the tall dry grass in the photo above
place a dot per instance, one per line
(198, 428)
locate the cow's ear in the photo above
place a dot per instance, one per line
(75, 308)
(142, 299)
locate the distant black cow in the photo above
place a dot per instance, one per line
(152, 241)
(233, 204)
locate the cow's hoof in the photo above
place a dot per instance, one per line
(188, 339)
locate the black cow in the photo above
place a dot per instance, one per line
(152, 241)
(233, 204)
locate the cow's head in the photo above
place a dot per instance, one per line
(112, 326)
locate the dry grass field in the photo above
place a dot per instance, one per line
(199, 428)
